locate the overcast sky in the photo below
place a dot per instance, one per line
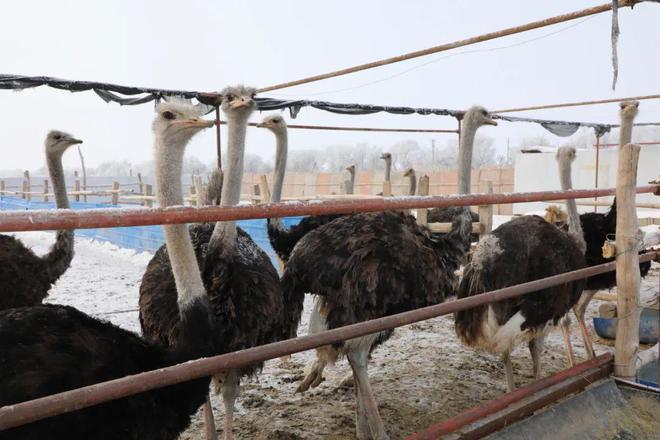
(206, 45)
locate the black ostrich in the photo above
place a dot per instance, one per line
(521, 250)
(241, 283)
(366, 266)
(25, 277)
(597, 228)
(48, 349)
(283, 240)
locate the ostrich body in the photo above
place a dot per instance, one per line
(369, 265)
(25, 277)
(282, 239)
(524, 249)
(597, 227)
(48, 349)
(241, 283)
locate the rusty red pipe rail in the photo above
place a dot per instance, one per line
(597, 367)
(67, 401)
(109, 218)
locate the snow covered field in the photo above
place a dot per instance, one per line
(422, 375)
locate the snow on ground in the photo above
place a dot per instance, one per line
(422, 375)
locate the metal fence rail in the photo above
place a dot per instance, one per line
(100, 218)
(56, 404)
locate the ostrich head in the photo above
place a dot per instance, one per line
(477, 116)
(566, 155)
(238, 101)
(177, 122)
(351, 169)
(274, 123)
(57, 143)
(387, 157)
(628, 110)
(409, 172)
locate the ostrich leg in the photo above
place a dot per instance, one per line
(358, 358)
(209, 420)
(230, 387)
(535, 349)
(361, 421)
(566, 332)
(579, 310)
(508, 371)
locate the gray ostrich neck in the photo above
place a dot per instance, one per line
(189, 285)
(388, 170)
(574, 227)
(225, 231)
(468, 132)
(413, 184)
(281, 152)
(625, 132)
(54, 163)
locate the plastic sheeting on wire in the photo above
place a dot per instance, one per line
(113, 93)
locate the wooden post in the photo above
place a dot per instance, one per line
(84, 173)
(197, 182)
(115, 193)
(76, 188)
(149, 191)
(423, 190)
(265, 189)
(627, 264)
(256, 190)
(141, 187)
(26, 187)
(45, 190)
(486, 211)
(2, 188)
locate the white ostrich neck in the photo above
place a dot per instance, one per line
(388, 170)
(54, 163)
(225, 231)
(625, 131)
(281, 152)
(468, 132)
(189, 285)
(574, 227)
(413, 184)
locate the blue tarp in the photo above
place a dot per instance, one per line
(142, 238)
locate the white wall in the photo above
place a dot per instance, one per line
(538, 172)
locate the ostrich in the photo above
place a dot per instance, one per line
(349, 185)
(521, 250)
(48, 349)
(412, 181)
(597, 227)
(282, 239)
(241, 283)
(369, 265)
(25, 277)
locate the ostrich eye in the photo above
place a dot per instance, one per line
(57, 137)
(230, 98)
(169, 115)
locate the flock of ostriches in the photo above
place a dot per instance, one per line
(210, 289)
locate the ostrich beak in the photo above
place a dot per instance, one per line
(491, 121)
(74, 141)
(196, 123)
(240, 103)
(261, 125)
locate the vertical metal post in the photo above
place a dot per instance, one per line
(597, 166)
(217, 137)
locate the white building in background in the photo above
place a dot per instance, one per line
(537, 171)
